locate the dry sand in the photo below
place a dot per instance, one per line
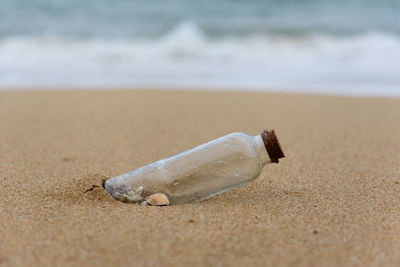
(334, 201)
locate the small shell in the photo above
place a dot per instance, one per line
(157, 199)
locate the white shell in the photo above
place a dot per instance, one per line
(157, 199)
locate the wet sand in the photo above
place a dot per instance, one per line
(333, 201)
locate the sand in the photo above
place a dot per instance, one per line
(333, 201)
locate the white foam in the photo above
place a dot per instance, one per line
(359, 64)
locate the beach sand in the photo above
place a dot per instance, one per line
(333, 201)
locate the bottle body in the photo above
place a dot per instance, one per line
(197, 173)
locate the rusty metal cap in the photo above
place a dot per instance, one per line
(272, 145)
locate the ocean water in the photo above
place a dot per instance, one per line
(324, 46)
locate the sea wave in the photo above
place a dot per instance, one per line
(367, 63)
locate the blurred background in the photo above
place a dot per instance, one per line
(336, 46)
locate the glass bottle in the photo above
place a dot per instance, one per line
(201, 172)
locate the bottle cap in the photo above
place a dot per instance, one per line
(272, 145)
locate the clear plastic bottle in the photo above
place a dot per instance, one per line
(201, 172)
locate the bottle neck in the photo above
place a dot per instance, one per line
(260, 150)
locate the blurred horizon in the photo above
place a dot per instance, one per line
(343, 47)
